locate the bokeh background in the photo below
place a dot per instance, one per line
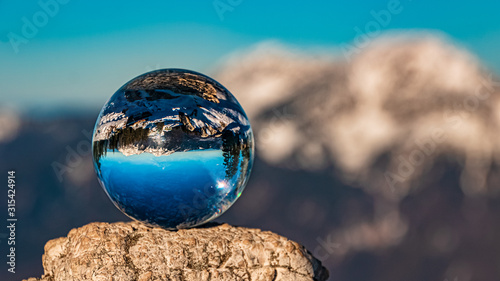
(376, 122)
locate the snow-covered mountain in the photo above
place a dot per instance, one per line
(382, 118)
(151, 106)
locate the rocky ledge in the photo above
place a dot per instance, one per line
(133, 251)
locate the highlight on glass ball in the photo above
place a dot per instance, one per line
(173, 148)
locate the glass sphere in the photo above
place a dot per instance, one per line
(173, 148)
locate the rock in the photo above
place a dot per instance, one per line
(133, 251)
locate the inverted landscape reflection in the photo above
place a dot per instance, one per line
(173, 148)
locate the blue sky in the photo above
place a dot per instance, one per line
(85, 50)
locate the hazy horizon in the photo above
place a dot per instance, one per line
(80, 53)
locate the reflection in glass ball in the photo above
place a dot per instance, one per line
(173, 148)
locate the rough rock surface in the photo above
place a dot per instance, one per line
(133, 251)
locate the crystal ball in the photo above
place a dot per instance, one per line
(173, 148)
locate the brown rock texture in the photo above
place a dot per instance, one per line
(133, 251)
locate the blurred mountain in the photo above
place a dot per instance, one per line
(385, 165)
(394, 152)
(389, 101)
